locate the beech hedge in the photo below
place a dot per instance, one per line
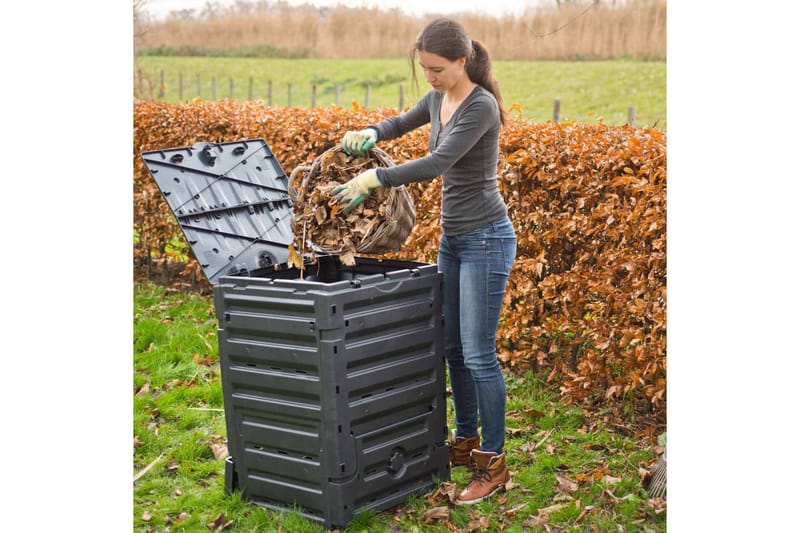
(586, 299)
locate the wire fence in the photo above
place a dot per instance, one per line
(281, 95)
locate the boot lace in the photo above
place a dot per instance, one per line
(480, 476)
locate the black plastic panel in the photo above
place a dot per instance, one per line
(231, 202)
(334, 391)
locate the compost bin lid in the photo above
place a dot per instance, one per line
(231, 201)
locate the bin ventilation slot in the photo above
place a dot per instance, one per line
(264, 449)
(369, 364)
(404, 382)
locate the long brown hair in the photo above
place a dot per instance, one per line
(447, 38)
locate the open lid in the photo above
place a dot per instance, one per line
(231, 202)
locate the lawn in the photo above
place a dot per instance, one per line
(587, 90)
(571, 471)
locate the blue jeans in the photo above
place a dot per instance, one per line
(476, 265)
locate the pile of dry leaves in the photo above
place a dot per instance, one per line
(378, 224)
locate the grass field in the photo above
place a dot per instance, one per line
(587, 90)
(571, 472)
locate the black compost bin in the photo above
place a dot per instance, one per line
(333, 379)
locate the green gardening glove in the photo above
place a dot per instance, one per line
(359, 142)
(357, 189)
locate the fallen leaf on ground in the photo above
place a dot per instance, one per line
(533, 413)
(513, 511)
(206, 360)
(659, 505)
(477, 524)
(566, 485)
(436, 513)
(144, 390)
(551, 509)
(445, 492)
(219, 449)
(220, 523)
(146, 516)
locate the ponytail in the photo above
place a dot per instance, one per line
(479, 70)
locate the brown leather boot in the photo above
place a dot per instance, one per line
(460, 448)
(489, 476)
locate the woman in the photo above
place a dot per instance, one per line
(478, 243)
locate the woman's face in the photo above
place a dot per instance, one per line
(440, 72)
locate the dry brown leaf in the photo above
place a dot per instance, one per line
(659, 505)
(477, 524)
(295, 259)
(143, 390)
(204, 360)
(348, 258)
(446, 491)
(566, 485)
(220, 523)
(551, 509)
(436, 513)
(219, 449)
(513, 511)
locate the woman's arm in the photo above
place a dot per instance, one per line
(471, 124)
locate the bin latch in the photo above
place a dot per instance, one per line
(355, 283)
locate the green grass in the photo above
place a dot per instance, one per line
(587, 90)
(178, 412)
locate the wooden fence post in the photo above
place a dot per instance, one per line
(556, 110)
(313, 95)
(161, 85)
(231, 80)
(400, 104)
(632, 115)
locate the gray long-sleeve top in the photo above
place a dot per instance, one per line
(464, 153)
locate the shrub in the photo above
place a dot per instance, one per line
(586, 300)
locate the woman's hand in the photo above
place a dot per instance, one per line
(357, 189)
(359, 142)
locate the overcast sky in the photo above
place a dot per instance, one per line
(161, 8)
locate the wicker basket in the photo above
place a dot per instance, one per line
(394, 226)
